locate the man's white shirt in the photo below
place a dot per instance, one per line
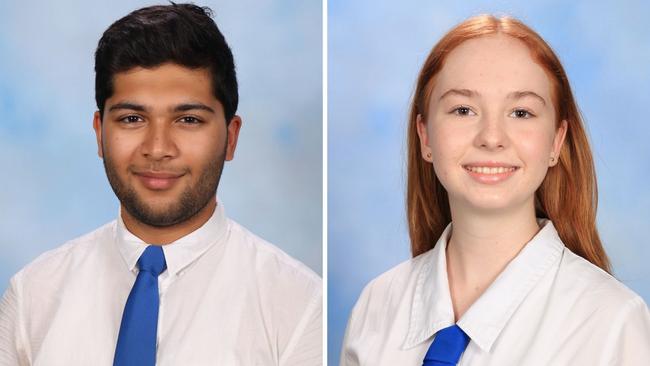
(226, 298)
(548, 307)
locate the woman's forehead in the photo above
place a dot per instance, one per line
(494, 65)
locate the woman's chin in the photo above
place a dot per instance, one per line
(489, 204)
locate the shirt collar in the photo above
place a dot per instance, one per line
(178, 254)
(432, 308)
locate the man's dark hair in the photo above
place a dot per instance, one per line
(184, 34)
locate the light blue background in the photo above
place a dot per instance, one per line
(52, 184)
(375, 51)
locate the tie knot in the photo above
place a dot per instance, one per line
(152, 260)
(447, 347)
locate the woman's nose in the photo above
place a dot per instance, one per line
(491, 134)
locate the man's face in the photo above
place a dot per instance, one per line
(164, 141)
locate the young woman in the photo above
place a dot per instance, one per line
(507, 266)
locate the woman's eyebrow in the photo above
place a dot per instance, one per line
(463, 92)
(518, 94)
(525, 93)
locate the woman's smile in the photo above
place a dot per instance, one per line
(490, 172)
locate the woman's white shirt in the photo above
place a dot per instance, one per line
(548, 307)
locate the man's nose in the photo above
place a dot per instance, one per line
(158, 141)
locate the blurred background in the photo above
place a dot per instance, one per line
(374, 54)
(53, 187)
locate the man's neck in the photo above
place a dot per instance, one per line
(166, 235)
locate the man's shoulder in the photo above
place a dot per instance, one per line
(269, 260)
(57, 259)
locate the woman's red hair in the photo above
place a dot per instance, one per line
(568, 195)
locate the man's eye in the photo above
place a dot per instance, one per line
(521, 113)
(131, 119)
(190, 120)
(463, 111)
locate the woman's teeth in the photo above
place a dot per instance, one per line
(490, 170)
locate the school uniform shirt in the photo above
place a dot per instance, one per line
(226, 298)
(548, 307)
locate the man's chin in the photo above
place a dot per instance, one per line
(165, 210)
(159, 219)
(157, 214)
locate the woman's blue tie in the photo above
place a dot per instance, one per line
(447, 347)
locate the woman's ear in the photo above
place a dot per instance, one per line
(421, 126)
(558, 141)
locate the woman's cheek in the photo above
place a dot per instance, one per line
(535, 148)
(445, 158)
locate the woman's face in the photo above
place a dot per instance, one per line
(490, 127)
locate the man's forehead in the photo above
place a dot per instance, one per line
(167, 78)
(166, 67)
(167, 87)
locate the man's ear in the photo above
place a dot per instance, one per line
(233, 134)
(97, 126)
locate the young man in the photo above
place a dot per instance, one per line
(172, 281)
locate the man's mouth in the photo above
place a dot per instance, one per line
(157, 181)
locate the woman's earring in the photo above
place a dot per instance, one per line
(552, 159)
(428, 155)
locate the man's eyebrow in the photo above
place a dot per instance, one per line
(525, 93)
(463, 92)
(178, 108)
(190, 106)
(128, 105)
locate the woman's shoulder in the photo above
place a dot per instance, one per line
(616, 314)
(385, 298)
(384, 294)
(399, 277)
(595, 286)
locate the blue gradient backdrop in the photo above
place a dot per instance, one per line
(375, 51)
(53, 187)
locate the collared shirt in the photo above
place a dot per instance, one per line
(226, 298)
(548, 307)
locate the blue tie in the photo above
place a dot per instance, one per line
(447, 347)
(136, 344)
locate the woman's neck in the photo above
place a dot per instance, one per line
(481, 246)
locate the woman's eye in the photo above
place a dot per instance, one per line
(463, 111)
(131, 119)
(521, 113)
(190, 120)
